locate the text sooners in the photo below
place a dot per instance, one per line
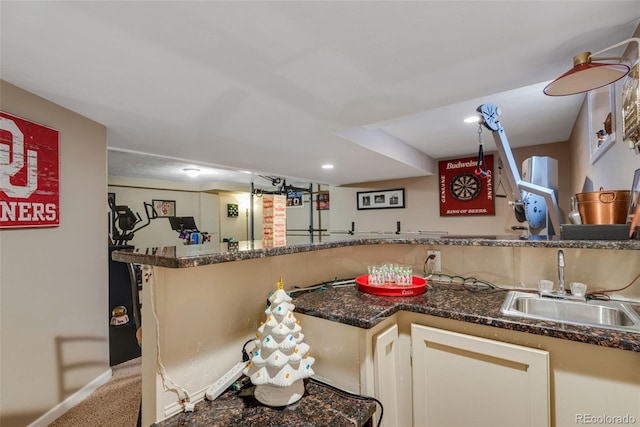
(28, 211)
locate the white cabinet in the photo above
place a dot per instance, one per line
(385, 374)
(465, 374)
(463, 380)
(361, 361)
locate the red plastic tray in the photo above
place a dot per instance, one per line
(418, 286)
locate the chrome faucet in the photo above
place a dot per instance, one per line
(561, 289)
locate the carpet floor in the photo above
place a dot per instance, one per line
(114, 404)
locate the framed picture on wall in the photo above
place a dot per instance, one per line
(232, 210)
(633, 215)
(601, 113)
(630, 104)
(384, 199)
(164, 208)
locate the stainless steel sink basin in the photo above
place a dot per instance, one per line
(602, 314)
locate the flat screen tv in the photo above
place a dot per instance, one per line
(182, 223)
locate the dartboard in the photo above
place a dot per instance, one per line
(465, 186)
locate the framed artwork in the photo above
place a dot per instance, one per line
(164, 208)
(232, 210)
(601, 114)
(322, 201)
(30, 174)
(630, 105)
(295, 199)
(384, 199)
(633, 215)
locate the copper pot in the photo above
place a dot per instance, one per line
(603, 207)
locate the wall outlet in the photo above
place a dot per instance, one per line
(434, 265)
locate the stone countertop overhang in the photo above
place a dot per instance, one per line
(350, 306)
(186, 256)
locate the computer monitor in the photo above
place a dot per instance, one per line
(182, 223)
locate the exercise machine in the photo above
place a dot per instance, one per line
(124, 222)
(522, 197)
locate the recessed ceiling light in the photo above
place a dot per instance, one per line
(327, 166)
(192, 172)
(471, 119)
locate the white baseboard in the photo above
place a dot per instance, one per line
(71, 401)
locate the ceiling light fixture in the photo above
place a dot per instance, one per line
(192, 172)
(327, 166)
(587, 74)
(472, 119)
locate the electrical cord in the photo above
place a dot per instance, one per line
(335, 283)
(246, 357)
(469, 283)
(603, 292)
(424, 267)
(167, 383)
(473, 284)
(353, 395)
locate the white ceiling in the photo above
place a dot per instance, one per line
(377, 88)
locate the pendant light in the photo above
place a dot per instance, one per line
(590, 73)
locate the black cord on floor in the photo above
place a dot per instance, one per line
(356, 396)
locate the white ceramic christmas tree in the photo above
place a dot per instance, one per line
(281, 359)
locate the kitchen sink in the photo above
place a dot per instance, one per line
(603, 314)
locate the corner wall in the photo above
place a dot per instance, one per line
(54, 281)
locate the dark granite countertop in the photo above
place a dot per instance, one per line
(320, 406)
(186, 256)
(350, 306)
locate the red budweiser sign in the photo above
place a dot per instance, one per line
(29, 174)
(463, 191)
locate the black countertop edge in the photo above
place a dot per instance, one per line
(186, 256)
(355, 308)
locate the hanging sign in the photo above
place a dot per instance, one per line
(462, 192)
(29, 174)
(294, 198)
(322, 201)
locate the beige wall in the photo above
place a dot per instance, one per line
(236, 227)
(422, 211)
(613, 171)
(54, 281)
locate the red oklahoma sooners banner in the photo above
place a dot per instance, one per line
(462, 192)
(29, 174)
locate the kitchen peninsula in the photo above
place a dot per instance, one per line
(209, 300)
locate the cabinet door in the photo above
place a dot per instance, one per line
(462, 380)
(385, 362)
